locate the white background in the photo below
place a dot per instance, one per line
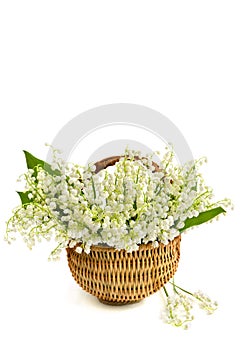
(182, 58)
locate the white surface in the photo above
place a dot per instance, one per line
(182, 58)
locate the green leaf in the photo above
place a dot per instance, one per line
(32, 162)
(202, 217)
(24, 197)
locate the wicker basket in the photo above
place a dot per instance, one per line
(118, 277)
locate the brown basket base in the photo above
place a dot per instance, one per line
(118, 303)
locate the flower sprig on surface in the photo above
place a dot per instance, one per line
(180, 304)
(123, 206)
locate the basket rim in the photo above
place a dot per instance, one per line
(142, 247)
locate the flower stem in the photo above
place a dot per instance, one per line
(174, 286)
(183, 290)
(94, 190)
(166, 293)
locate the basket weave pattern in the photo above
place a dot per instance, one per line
(118, 277)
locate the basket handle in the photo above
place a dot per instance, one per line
(104, 163)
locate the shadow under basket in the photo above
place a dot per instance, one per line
(118, 277)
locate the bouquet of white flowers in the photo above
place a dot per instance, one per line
(122, 206)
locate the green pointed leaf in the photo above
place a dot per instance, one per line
(32, 162)
(202, 217)
(24, 197)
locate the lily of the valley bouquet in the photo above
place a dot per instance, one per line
(133, 202)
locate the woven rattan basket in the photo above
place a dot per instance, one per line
(118, 277)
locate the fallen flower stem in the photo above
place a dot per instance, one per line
(166, 293)
(183, 290)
